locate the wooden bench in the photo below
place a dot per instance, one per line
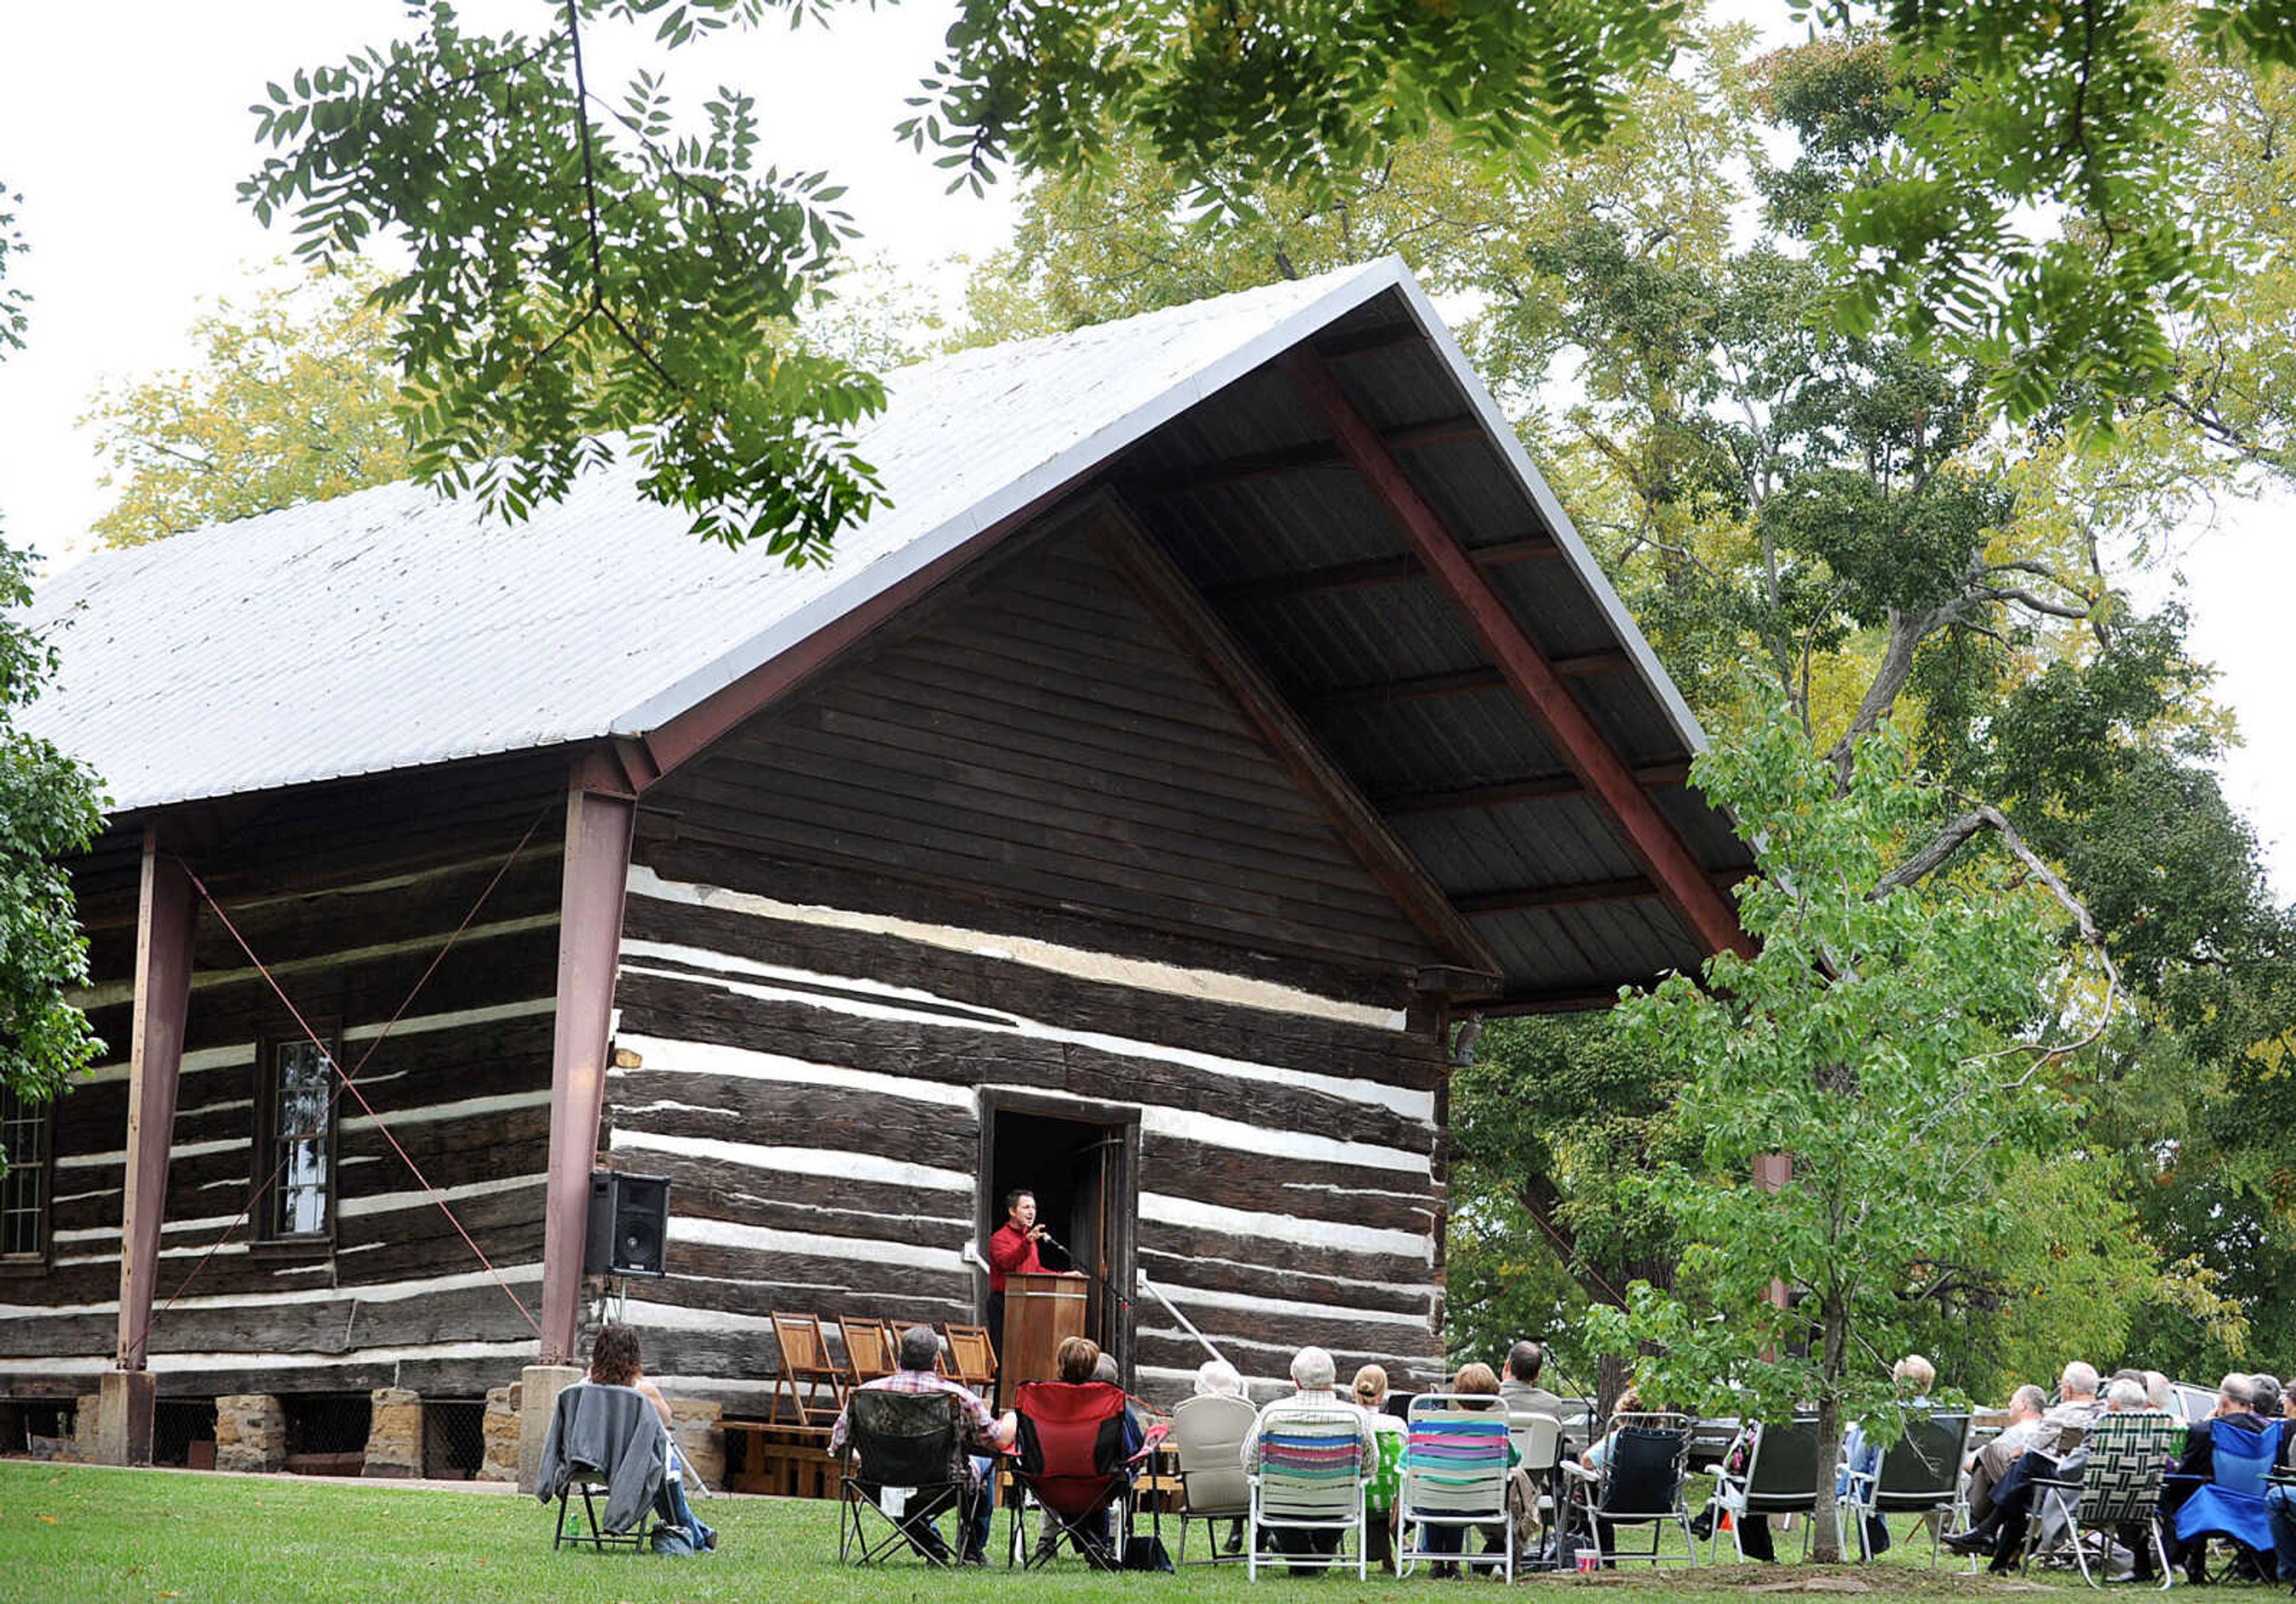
(785, 1460)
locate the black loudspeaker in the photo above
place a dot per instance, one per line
(629, 1225)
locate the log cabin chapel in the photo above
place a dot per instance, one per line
(1222, 709)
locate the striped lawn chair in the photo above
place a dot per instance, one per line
(1310, 1479)
(1454, 1477)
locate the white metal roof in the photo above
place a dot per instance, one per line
(390, 628)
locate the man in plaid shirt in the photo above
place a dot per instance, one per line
(977, 1429)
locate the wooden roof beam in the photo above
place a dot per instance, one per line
(1705, 912)
(1303, 458)
(1580, 999)
(1531, 787)
(1370, 571)
(1583, 894)
(1175, 602)
(1463, 681)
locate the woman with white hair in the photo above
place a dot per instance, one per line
(1218, 1379)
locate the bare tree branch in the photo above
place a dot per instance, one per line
(1957, 834)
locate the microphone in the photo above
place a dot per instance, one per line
(1050, 1240)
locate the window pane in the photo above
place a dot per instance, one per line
(302, 1115)
(23, 1188)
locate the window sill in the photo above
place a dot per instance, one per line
(291, 1250)
(28, 1266)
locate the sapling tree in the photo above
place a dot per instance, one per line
(1882, 1039)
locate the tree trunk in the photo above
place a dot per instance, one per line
(1825, 1525)
(1610, 1381)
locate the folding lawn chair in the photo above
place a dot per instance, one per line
(1538, 1446)
(869, 1350)
(2130, 1455)
(1781, 1478)
(1919, 1473)
(1640, 1483)
(1455, 1478)
(805, 1363)
(1310, 1479)
(2231, 1506)
(901, 1447)
(971, 1357)
(608, 1440)
(1072, 1466)
(1208, 1434)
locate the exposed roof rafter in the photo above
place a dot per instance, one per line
(1372, 571)
(1531, 787)
(1648, 836)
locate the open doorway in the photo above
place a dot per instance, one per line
(1083, 1162)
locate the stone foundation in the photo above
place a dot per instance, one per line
(539, 1386)
(250, 1433)
(501, 1463)
(694, 1424)
(87, 1414)
(394, 1435)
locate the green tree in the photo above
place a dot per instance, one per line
(49, 808)
(1838, 511)
(581, 270)
(294, 401)
(1881, 1038)
(581, 267)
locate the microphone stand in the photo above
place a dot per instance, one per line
(1094, 1276)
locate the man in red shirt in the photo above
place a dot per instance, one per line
(1012, 1251)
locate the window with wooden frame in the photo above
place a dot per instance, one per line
(295, 1140)
(27, 1141)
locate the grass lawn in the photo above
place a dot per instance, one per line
(75, 1532)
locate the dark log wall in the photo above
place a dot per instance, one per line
(1027, 846)
(1043, 742)
(347, 893)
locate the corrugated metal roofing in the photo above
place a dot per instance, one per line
(390, 629)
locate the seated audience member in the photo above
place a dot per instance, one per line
(1314, 1380)
(1079, 1363)
(2280, 1499)
(1519, 1385)
(616, 1359)
(1218, 1379)
(2159, 1392)
(2027, 1406)
(1915, 1377)
(2267, 1395)
(2001, 1533)
(2235, 1403)
(1380, 1494)
(1472, 1381)
(918, 1356)
(1598, 1452)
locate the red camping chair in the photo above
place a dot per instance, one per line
(1071, 1461)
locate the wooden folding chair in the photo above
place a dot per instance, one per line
(806, 1362)
(972, 1360)
(869, 1349)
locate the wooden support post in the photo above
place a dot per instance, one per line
(598, 828)
(165, 917)
(1772, 1173)
(1708, 914)
(166, 914)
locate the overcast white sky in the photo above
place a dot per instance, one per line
(126, 141)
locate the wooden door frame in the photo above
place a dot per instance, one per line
(1124, 1119)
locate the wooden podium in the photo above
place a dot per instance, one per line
(1040, 1312)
